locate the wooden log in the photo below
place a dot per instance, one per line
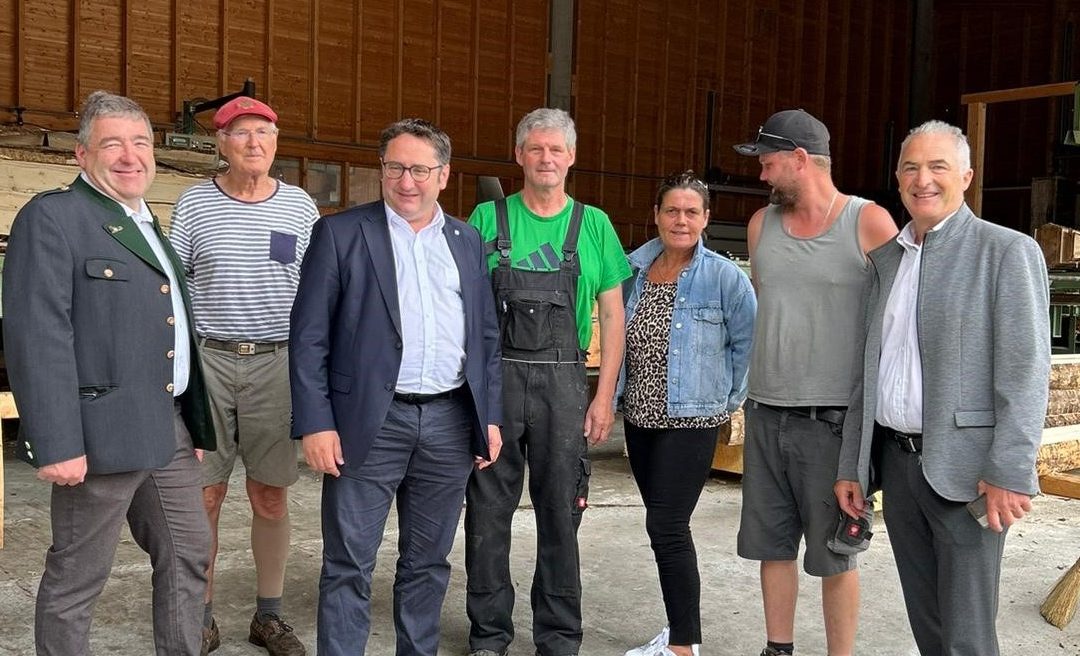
(1062, 484)
(1056, 421)
(1065, 375)
(1058, 457)
(1063, 401)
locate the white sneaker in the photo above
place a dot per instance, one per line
(654, 647)
(668, 652)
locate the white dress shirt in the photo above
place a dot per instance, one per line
(900, 389)
(182, 345)
(432, 311)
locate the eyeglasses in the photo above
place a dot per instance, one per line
(262, 134)
(777, 137)
(419, 172)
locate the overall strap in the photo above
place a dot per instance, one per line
(502, 238)
(569, 247)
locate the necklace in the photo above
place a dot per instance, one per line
(831, 203)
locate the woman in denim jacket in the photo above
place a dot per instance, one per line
(689, 324)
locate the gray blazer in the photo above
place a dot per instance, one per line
(984, 336)
(87, 336)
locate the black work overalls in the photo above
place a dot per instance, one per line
(545, 395)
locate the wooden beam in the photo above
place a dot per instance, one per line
(976, 134)
(976, 126)
(728, 458)
(1062, 484)
(1020, 93)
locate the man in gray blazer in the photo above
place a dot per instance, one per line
(950, 407)
(111, 397)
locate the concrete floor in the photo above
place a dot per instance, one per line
(622, 606)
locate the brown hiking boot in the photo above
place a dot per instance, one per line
(276, 636)
(211, 638)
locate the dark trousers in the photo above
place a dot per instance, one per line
(543, 423)
(164, 510)
(421, 457)
(949, 566)
(671, 467)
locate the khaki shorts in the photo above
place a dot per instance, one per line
(250, 403)
(789, 468)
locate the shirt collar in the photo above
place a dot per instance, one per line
(143, 215)
(906, 238)
(437, 223)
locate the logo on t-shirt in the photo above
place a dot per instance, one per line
(545, 258)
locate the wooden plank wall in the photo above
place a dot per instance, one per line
(337, 71)
(644, 73)
(985, 45)
(645, 70)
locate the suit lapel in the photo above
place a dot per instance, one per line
(460, 252)
(120, 227)
(459, 249)
(377, 235)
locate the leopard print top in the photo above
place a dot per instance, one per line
(645, 399)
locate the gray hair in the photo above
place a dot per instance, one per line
(420, 129)
(963, 150)
(102, 103)
(547, 118)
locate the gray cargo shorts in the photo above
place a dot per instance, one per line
(789, 468)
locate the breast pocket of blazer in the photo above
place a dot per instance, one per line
(107, 269)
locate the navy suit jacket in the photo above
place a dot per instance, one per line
(345, 338)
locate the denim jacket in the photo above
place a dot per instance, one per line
(712, 327)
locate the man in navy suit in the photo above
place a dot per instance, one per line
(396, 388)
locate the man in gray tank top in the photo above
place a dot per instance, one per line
(808, 257)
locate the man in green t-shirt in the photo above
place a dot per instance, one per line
(552, 259)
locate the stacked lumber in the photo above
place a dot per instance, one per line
(1058, 463)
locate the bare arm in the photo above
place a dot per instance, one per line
(601, 413)
(753, 235)
(876, 226)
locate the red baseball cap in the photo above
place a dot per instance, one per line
(242, 106)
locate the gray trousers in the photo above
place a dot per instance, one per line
(949, 566)
(164, 510)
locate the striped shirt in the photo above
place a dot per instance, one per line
(242, 259)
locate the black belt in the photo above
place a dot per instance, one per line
(420, 399)
(908, 442)
(833, 414)
(243, 348)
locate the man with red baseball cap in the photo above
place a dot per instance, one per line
(241, 237)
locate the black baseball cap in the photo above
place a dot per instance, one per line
(788, 130)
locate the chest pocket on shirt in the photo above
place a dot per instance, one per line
(282, 247)
(710, 334)
(103, 268)
(531, 319)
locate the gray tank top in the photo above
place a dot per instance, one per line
(810, 300)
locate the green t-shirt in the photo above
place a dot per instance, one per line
(537, 246)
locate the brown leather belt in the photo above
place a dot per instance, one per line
(243, 348)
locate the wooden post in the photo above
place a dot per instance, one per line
(976, 126)
(976, 131)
